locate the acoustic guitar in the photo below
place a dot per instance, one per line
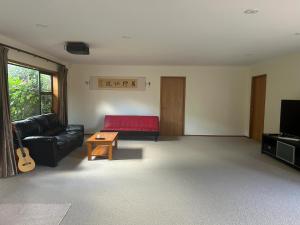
(25, 162)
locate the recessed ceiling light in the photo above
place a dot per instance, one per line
(126, 37)
(40, 25)
(251, 11)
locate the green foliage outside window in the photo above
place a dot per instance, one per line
(26, 98)
(46, 104)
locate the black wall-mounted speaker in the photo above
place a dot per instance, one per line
(77, 48)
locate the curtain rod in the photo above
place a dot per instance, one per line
(29, 53)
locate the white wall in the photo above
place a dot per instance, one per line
(25, 58)
(217, 98)
(283, 82)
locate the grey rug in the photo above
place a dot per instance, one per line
(32, 214)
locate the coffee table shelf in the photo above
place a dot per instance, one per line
(100, 150)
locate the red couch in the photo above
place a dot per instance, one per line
(132, 126)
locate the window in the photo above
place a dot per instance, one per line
(46, 93)
(30, 92)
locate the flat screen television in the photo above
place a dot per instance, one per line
(290, 118)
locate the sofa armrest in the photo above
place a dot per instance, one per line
(75, 127)
(43, 149)
(40, 139)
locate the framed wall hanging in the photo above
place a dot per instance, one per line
(117, 83)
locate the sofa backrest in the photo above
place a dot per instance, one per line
(128, 121)
(27, 127)
(37, 125)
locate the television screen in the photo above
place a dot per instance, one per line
(290, 117)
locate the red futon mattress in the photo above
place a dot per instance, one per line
(132, 125)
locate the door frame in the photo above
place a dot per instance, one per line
(252, 103)
(184, 94)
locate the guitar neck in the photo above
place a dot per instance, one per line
(18, 139)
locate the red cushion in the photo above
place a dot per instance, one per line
(131, 123)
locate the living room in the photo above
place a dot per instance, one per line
(213, 86)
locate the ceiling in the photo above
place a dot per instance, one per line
(157, 32)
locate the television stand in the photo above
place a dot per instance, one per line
(288, 138)
(285, 149)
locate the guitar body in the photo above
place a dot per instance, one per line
(25, 162)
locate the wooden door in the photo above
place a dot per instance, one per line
(172, 106)
(257, 110)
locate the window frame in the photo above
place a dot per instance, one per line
(45, 93)
(41, 71)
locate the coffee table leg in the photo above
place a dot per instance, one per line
(116, 143)
(110, 149)
(89, 147)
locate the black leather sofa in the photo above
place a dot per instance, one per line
(48, 141)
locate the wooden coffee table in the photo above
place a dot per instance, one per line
(102, 147)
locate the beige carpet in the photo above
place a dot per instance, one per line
(32, 214)
(185, 181)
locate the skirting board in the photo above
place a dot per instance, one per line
(201, 135)
(212, 135)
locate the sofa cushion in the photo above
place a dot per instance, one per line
(52, 120)
(53, 131)
(128, 129)
(42, 121)
(67, 139)
(27, 127)
(131, 123)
